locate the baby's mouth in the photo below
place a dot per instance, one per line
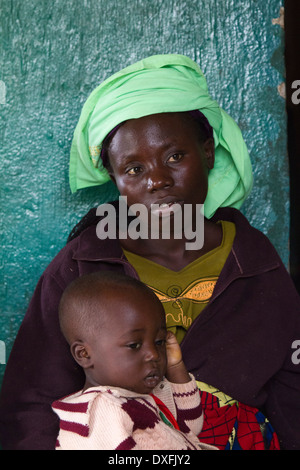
(152, 379)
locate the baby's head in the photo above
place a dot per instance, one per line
(116, 329)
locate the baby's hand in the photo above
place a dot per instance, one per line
(173, 350)
(176, 371)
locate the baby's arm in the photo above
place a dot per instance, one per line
(176, 370)
(184, 388)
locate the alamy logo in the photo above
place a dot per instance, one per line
(296, 354)
(2, 92)
(2, 353)
(296, 94)
(163, 221)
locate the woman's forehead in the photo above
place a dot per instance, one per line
(166, 126)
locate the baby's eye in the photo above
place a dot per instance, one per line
(176, 157)
(134, 345)
(160, 342)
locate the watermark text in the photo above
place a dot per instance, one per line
(296, 353)
(2, 92)
(296, 93)
(2, 353)
(161, 221)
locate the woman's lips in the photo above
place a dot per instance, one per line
(165, 209)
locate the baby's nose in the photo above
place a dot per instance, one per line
(152, 354)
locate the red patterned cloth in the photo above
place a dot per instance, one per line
(235, 426)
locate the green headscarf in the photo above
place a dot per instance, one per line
(160, 84)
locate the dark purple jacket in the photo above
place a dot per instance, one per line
(241, 342)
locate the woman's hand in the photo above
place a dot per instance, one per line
(176, 370)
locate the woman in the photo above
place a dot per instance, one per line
(154, 130)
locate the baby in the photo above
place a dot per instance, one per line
(138, 394)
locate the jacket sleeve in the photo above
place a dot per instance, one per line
(188, 406)
(40, 369)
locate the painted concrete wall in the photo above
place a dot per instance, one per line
(53, 53)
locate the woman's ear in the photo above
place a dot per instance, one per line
(112, 176)
(209, 149)
(110, 171)
(82, 354)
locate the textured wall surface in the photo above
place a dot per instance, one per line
(53, 53)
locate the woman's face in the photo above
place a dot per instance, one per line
(159, 159)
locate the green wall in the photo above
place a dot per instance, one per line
(54, 52)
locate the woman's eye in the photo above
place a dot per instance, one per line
(176, 157)
(134, 171)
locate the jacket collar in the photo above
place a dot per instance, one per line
(91, 248)
(252, 251)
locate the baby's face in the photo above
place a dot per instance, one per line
(130, 350)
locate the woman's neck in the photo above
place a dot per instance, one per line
(173, 253)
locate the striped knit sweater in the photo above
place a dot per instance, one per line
(107, 418)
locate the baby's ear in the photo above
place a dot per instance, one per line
(81, 353)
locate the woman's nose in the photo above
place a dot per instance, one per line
(158, 179)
